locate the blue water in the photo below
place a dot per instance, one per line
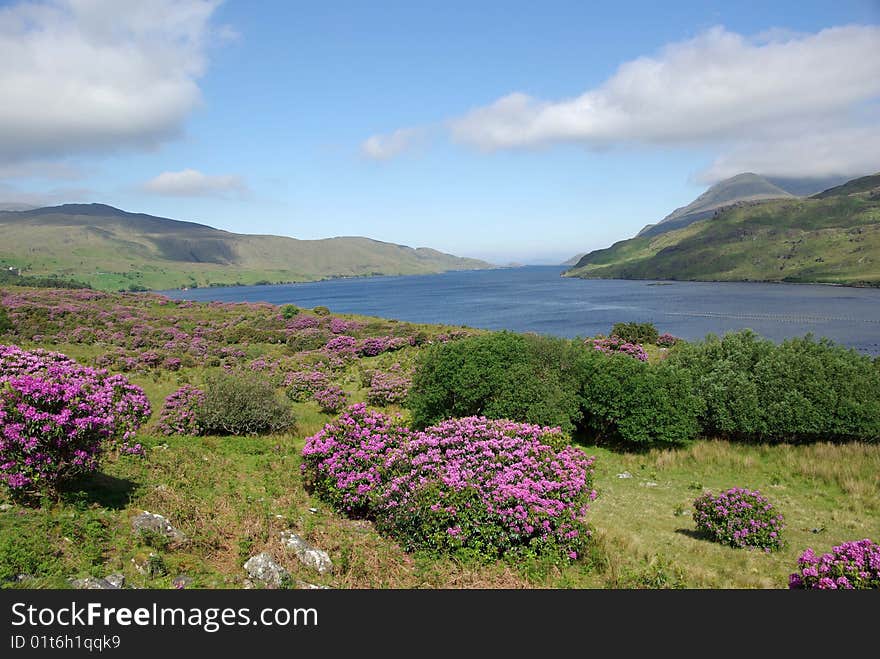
(537, 299)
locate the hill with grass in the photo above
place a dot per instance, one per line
(112, 249)
(831, 237)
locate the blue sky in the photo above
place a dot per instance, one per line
(511, 131)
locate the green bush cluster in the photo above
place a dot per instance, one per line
(554, 382)
(740, 387)
(242, 404)
(636, 332)
(499, 375)
(5, 322)
(288, 311)
(802, 390)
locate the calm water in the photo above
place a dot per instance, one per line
(537, 299)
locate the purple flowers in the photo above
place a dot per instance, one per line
(302, 385)
(739, 518)
(853, 565)
(667, 340)
(330, 399)
(614, 344)
(483, 486)
(56, 414)
(180, 412)
(388, 388)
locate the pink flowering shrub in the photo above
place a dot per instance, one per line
(330, 399)
(180, 412)
(300, 386)
(851, 566)
(57, 416)
(614, 344)
(739, 518)
(480, 487)
(388, 388)
(667, 340)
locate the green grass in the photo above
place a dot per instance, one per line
(233, 496)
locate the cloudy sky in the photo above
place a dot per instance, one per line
(506, 130)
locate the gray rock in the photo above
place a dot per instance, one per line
(305, 585)
(625, 474)
(4, 507)
(151, 522)
(264, 569)
(92, 583)
(316, 559)
(116, 580)
(650, 484)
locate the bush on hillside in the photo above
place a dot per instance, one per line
(635, 332)
(5, 322)
(242, 403)
(181, 412)
(432, 491)
(626, 400)
(57, 416)
(739, 518)
(497, 375)
(288, 311)
(800, 391)
(853, 565)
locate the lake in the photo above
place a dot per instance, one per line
(537, 299)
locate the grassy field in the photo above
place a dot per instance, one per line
(232, 496)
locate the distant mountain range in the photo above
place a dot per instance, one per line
(748, 228)
(113, 249)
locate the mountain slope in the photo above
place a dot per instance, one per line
(740, 188)
(833, 237)
(110, 249)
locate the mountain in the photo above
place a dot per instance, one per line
(111, 249)
(574, 259)
(740, 188)
(831, 237)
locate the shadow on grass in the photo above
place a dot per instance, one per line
(696, 535)
(100, 488)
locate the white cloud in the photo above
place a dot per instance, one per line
(98, 75)
(193, 183)
(385, 147)
(783, 103)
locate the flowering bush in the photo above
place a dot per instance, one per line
(667, 340)
(377, 345)
(614, 344)
(483, 487)
(739, 518)
(180, 412)
(56, 415)
(342, 346)
(330, 399)
(852, 565)
(388, 388)
(302, 385)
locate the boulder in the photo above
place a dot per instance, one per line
(316, 559)
(264, 569)
(153, 523)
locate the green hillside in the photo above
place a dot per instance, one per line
(832, 237)
(112, 249)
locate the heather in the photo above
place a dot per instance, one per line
(853, 565)
(479, 487)
(740, 518)
(57, 417)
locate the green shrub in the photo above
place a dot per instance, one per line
(800, 391)
(497, 375)
(288, 311)
(321, 311)
(5, 322)
(626, 400)
(242, 404)
(636, 332)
